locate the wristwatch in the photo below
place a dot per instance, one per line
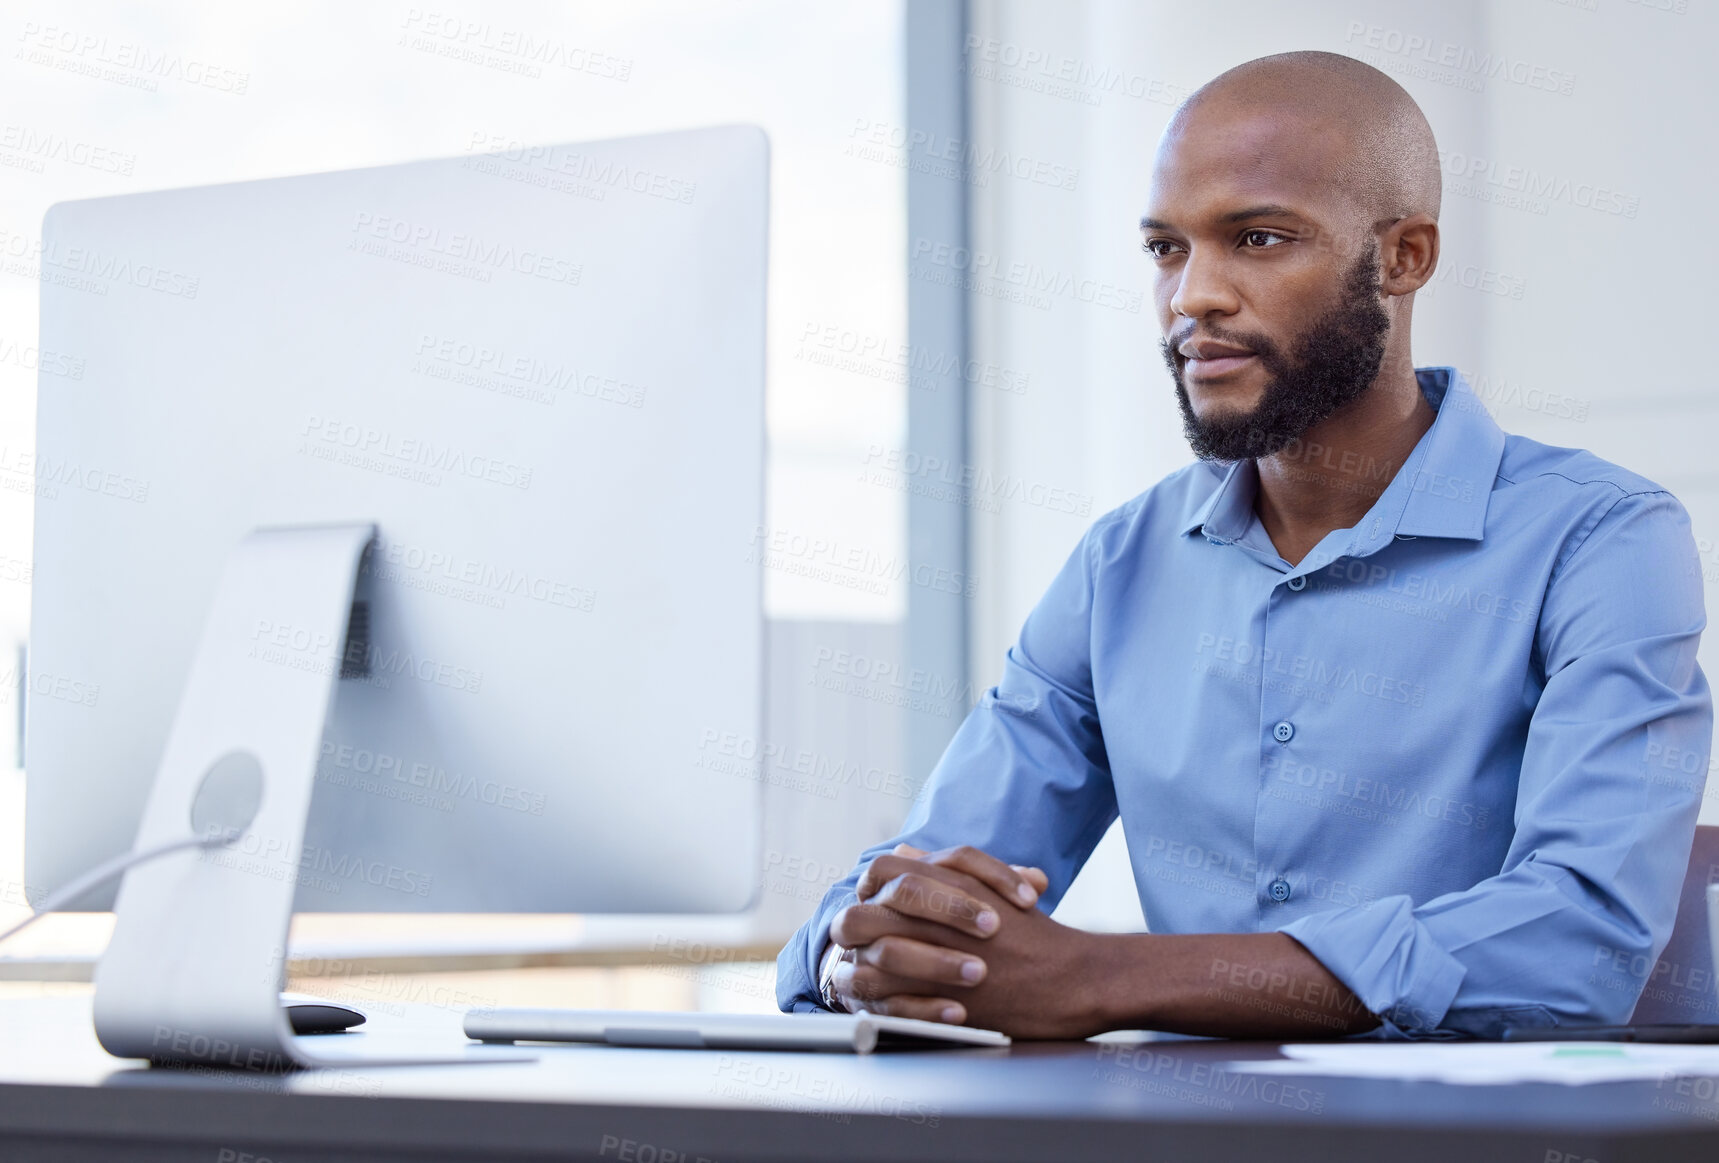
(833, 955)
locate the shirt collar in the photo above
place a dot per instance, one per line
(1441, 491)
(1226, 511)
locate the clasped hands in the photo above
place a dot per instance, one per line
(955, 936)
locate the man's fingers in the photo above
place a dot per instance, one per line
(1006, 880)
(859, 925)
(918, 888)
(986, 869)
(930, 892)
(926, 1009)
(1035, 875)
(862, 987)
(879, 872)
(920, 960)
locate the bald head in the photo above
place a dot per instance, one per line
(1366, 131)
(1292, 216)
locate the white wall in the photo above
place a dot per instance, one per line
(1612, 306)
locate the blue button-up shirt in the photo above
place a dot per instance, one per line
(1457, 751)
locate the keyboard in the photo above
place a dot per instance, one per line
(859, 1033)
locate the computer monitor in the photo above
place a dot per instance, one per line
(540, 374)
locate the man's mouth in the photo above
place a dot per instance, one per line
(1216, 366)
(1207, 359)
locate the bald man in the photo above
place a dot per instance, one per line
(1383, 697)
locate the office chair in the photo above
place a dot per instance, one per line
(1682, 988)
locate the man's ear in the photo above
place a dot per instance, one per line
(1408, 254)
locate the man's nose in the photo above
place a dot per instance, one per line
(1203, 286)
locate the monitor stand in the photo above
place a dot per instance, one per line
(194, 971)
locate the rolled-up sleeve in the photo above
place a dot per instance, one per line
(1025, 778)
(1605, 810)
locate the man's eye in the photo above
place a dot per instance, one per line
(1157, 247)
(1252, 238)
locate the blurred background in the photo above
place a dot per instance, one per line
(963, 362)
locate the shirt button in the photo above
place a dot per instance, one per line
(1297, 584)
(1283, 732)
(1279, 890)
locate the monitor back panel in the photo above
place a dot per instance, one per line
(541, 375)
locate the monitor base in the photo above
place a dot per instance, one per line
(194, 970)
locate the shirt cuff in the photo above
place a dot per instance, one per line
(1388, 959)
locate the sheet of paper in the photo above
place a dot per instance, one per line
(1492, 1063)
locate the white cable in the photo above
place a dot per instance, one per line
(101, 874)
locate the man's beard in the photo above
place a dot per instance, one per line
(1334, 363)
